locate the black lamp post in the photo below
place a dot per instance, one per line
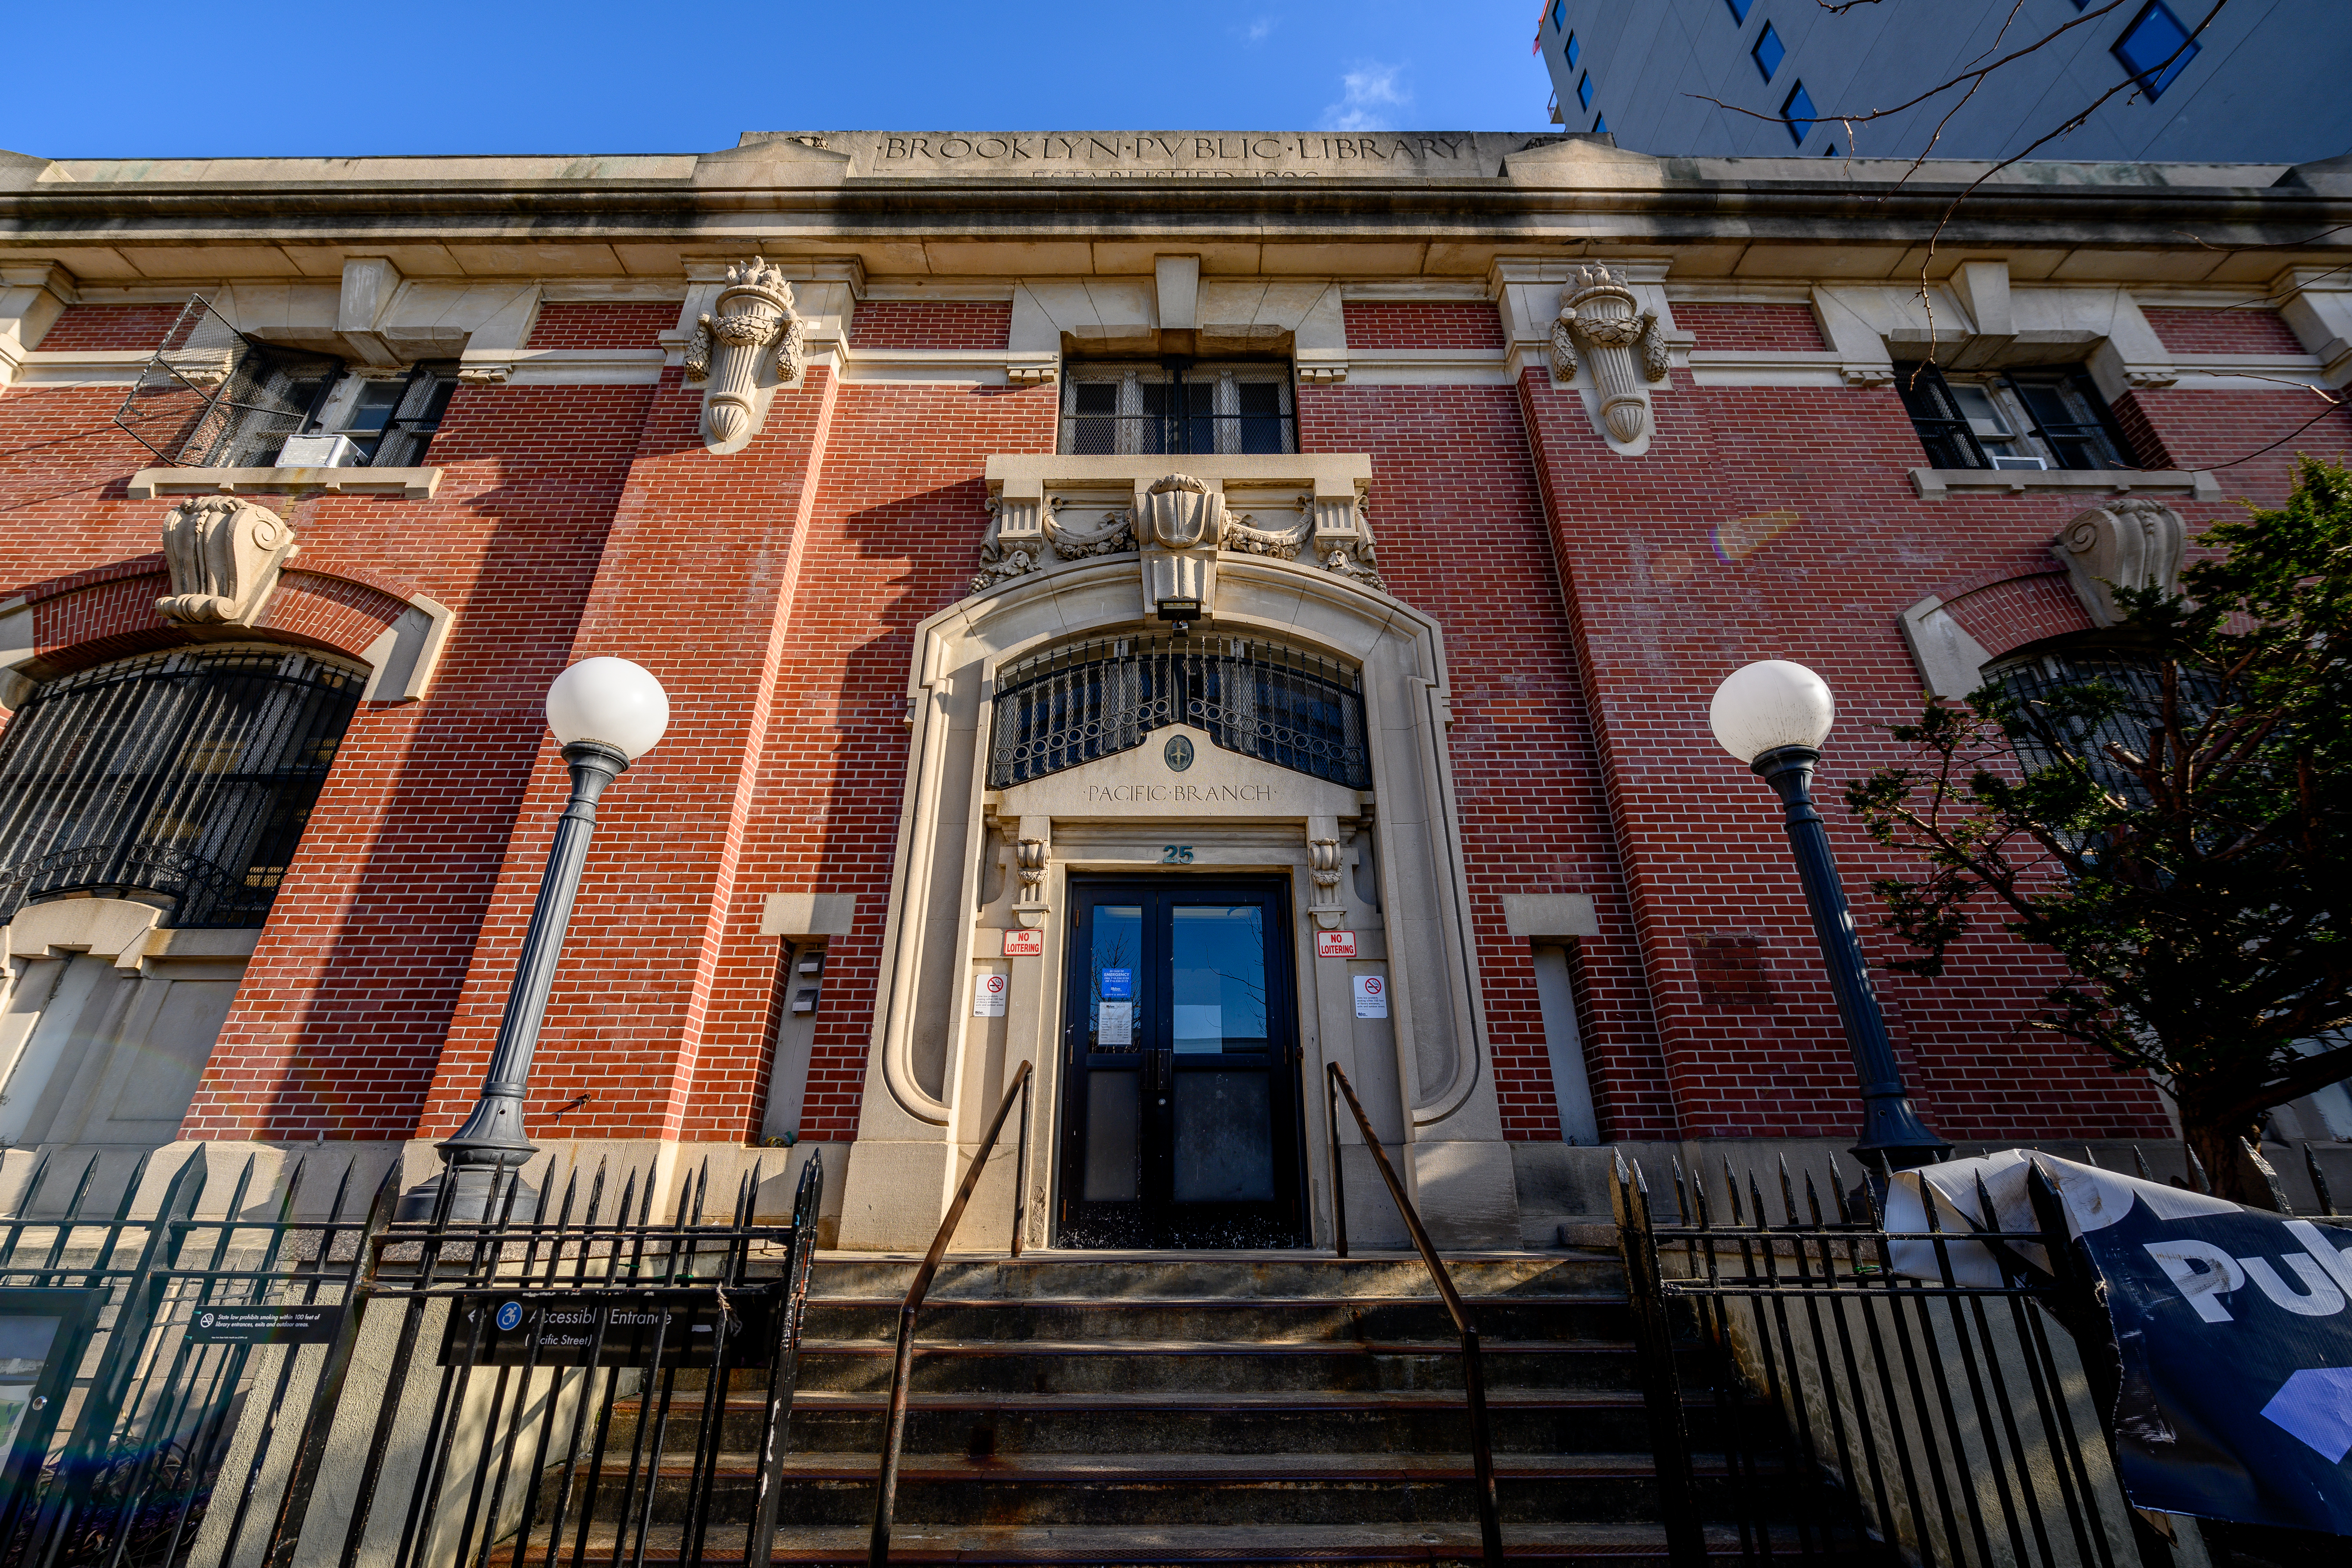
(1774, 716)
(607, 712)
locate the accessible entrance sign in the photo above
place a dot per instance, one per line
(613, 1328)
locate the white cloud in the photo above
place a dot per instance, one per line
(1256, 31)
(1370, 94)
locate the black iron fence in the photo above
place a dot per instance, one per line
(1838, 1408)
(591, 1383)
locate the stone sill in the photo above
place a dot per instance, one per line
(1937, 484)
(407, 484)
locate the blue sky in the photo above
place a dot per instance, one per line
(237, 76)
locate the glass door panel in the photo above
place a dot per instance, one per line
(1181, 1114)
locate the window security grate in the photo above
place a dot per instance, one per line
(211, 397)
(188, 774)
(1178, 406)
(2039, 679)
(1088, 701)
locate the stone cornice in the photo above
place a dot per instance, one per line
(1556, 199)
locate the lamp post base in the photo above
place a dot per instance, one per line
(479, 1195)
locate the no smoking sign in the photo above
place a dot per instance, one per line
(1371, 996)
(988, 995)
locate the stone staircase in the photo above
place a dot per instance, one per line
(1267, 1407)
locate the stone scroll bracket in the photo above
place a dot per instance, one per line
(2130, 542)
(1033, 855)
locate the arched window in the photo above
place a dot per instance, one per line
(1083, 701)
(2046, 681)
(187, 775)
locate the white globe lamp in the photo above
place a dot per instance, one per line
(1772, 703)
(608, 701)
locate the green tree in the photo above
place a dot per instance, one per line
(2173, 826)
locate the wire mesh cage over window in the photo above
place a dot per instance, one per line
(1085, 701)
(1177, 405)
(211, 397)
(188, 774)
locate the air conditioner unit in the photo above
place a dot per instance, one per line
(318, 452)
(2019, 463)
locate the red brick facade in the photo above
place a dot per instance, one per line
(1422, 324)
(600, 324)
(1779, 329)
(931, 324)
(2242, 330)
(1588, 602)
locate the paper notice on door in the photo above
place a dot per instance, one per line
(1114, 1023)
(1371, 996)
(988, 995)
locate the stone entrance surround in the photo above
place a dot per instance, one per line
(966, 852)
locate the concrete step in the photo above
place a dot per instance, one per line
(1566, 1316)
(1442, 1544)
(1122, 1276)
(1163, 1488)
(1436, 1421)
(1192, 1366)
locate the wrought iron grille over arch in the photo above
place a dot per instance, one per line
(1085, 700)
(188, 774)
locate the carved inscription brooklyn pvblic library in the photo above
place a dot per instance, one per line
(1164, 154)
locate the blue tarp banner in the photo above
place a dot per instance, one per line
(2233, 1326)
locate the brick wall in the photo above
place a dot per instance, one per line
(603, 323)
(1459, 521)
(338, 1027)
(2250, 439)
(894, 535)
(693, 582)
(2245, 331)
(1770, 328)
(1777, 523)
(1589, 605)
(1423, 325)
(92, 328)
(931, 324)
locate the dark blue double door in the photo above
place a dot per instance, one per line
(1181, 1115)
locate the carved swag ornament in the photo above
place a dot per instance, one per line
(224, 555)
(730, 347)
(1598, 319)
(1184, 526)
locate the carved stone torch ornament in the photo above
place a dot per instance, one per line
(224, 555)
(1180, 524)
(1599, 320)
(754, 316)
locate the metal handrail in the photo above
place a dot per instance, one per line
(1474, 1372)
(902, 1368)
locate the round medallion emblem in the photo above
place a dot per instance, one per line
(1179, 752)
